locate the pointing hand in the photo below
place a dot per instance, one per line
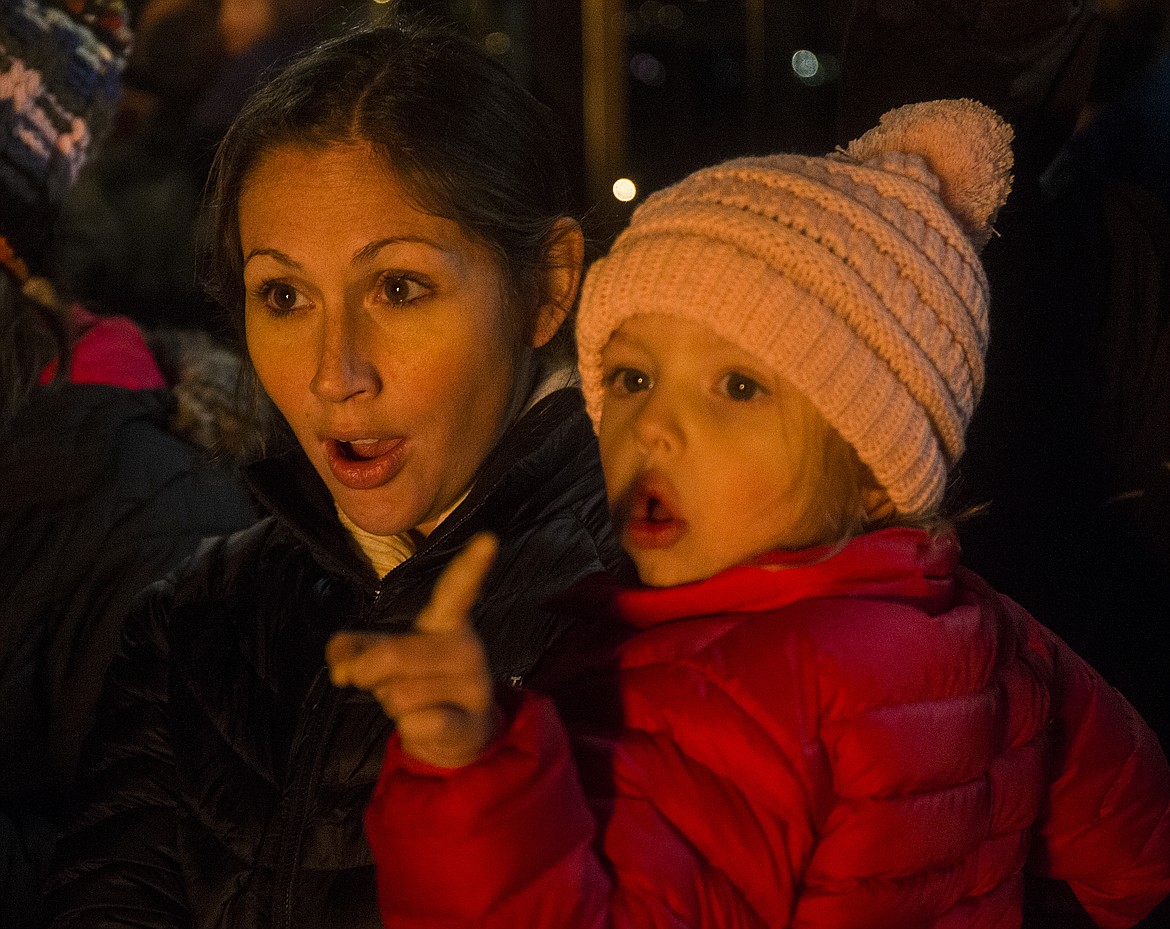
(434, 680)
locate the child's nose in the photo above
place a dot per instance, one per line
(658, 426)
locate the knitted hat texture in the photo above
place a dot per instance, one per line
(60, 75)
(855, 276)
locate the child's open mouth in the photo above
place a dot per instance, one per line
(652, 519)
(656, 511)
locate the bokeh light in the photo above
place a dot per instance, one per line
(624, 189)
(805, 64)
(497, 43)
(671, 17)
(648, 69)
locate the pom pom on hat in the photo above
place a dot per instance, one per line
(61, 63)
(965, 145)
(855, 276)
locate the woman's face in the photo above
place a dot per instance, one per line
(382, 333)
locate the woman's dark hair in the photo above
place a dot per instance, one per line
(468, 142)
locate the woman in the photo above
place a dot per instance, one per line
(391, 232)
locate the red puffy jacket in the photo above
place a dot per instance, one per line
(875, 739)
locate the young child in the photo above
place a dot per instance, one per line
(818, 718)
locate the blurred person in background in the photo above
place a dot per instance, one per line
(101, 491)
(129, 232)
(257, 37)
(126, 237)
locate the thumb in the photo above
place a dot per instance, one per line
(458, 586)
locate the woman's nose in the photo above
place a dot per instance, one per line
(345, 366)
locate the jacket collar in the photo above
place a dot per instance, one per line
(288, 487)
(908, 565)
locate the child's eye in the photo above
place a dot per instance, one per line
(280, 297)
(741, 387)
(629, 381)
(400, 289)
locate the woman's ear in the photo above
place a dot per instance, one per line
(564, 260)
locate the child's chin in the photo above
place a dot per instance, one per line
(654, 570)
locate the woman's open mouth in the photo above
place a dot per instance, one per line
(362, 464)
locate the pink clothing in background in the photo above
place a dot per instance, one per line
(109, 350)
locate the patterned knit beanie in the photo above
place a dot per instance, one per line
(60, 72)
(855, 276)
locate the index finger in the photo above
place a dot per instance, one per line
(344, 648)
(458, 586)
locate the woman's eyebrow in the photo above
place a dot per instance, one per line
(272, 253)
(366, 252)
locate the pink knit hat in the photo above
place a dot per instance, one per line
(856, 276)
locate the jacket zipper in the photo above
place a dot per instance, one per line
(322, 703)
(294, 838)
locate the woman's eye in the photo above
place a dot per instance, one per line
(629, 380)
(399, 289)
(281, 298)
(741, 387)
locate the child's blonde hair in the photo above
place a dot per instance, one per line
(832, 489)
(828, 484)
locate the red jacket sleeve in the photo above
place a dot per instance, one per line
(1107, 832)
(509, 841)
(504, 841)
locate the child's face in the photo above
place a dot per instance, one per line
(700, 466)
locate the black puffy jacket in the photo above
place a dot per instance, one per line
(98, 499)
(228, 782)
